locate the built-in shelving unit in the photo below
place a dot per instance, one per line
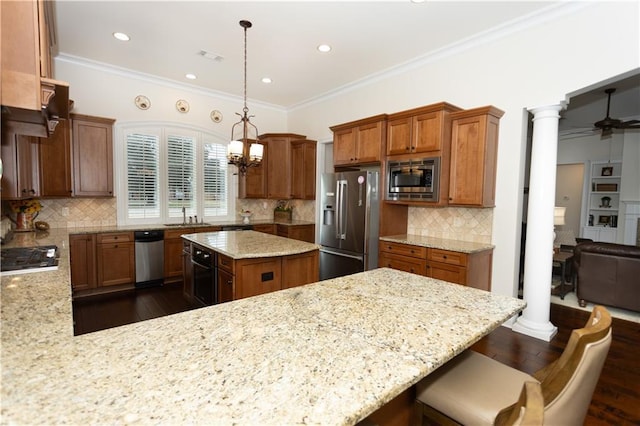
(601, 221)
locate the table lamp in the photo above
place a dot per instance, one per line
(558, 219)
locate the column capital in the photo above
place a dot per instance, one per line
(547, 111)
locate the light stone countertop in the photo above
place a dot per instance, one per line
(327, 353)
(439, 243)
(125, 228)
(250, 244)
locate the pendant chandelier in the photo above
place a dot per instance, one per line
(244, 151)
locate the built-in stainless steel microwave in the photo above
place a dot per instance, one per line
(413, 179)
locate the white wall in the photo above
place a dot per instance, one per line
(522, 70)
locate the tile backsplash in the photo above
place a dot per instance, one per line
(454, 223)
(263, 209)
(78, 212)
(90, 212)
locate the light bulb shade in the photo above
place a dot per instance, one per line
(255, 152)
(235, 149)
(558, 215)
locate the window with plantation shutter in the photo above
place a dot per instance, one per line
(181, 176)
(171, 168)
(142, 176)
(215, 180)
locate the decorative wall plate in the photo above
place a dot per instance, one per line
(182, 105)
(142, 102)
(216, 116)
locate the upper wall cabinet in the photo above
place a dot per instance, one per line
(20, 166)
(92, 156)
(32, 101)
(287, 170)
(360, 142)
(303, 170)
(55, 162)
(474, 149)
(425, 130)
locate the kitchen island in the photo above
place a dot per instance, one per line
(325, 353)
(239, 264)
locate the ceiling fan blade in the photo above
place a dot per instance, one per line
(631, 124)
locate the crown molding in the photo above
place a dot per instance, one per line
(154, 79)
(550, 13)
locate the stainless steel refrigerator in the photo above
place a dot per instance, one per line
(349, 223)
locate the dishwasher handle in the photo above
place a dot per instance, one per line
(148, 236)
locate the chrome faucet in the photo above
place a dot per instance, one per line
(184, 215)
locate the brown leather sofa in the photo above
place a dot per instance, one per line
(608, 274)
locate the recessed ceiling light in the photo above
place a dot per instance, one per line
(191, 76)
(266, 80)
(121, 36)
(324, 48)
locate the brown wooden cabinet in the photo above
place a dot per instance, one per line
(470, 269)
(20, 166)
(300, 269)
(92, 156)
(403, 257)
(279, 176)
(82, 260)
(226, 286)
(425, 130)
(36, 100)
(360, 142)
(297, 232)
(303, 170)
(116, 258)
(254, 183)
(474, 150)
(173, 250)
(267, 228)
(258, 276)
(54, 159)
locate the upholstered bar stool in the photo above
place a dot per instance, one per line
(472, 389)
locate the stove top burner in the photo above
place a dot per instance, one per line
(29, 259)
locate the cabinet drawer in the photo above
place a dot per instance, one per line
(225, 262)
(404, 249)
(115, 237)
(267, 229)
(450, 273)
(449, 257)
(176, 233)
(403, 263)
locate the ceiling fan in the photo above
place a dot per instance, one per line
(608, 124)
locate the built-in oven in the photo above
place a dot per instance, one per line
(413, 179)
(204, 275)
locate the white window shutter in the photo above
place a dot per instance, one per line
(142, 176)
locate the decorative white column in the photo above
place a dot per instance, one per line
(538, 260)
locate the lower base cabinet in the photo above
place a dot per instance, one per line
(82, 260)
(116, 259)
(470, 269)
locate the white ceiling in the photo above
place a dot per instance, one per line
(368, 39)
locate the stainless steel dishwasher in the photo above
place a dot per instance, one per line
(149, 258)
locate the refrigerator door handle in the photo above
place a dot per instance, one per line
(341, 191)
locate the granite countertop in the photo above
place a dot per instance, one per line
(439, 243)
(124, 228)
(250, 244)
(325, 353)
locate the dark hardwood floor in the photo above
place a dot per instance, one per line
(616, 400)
(102, 312)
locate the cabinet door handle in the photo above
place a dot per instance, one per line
(230, 282)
